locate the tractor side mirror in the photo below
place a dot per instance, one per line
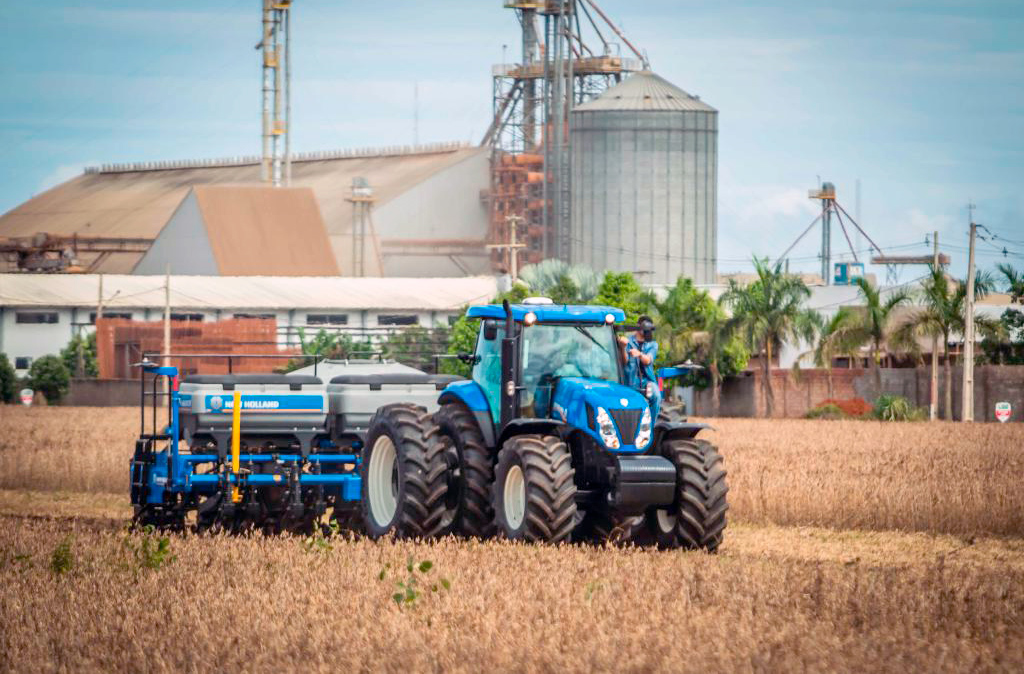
(490, 331)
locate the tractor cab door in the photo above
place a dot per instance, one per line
(487, 369)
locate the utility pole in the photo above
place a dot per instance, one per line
(512, 246)
(933, 402)
(967, 403)
(167, 316)
(99, 301)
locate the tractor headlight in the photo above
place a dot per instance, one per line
(643, 435)
(649, 390)
(607, 429)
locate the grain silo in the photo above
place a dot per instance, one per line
(644, 182)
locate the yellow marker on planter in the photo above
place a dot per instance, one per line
(236, 443)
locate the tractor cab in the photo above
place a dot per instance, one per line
(564, 365)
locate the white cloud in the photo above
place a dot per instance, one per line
(63, 173)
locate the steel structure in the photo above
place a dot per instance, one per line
(52, 253)
(529, 132)
(276, 160)
(830, 208)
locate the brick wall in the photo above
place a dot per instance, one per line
(795, 394)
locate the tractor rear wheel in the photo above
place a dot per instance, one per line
(471, 472)
(403, 474)
(534, 493)
(697, 518)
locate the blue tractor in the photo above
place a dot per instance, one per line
(546, 443)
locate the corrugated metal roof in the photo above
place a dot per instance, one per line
(266, 231)
(246, 292)
(645, 91)
(138, 203)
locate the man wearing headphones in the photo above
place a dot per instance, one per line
(639, 353)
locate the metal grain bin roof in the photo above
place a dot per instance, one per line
(646, 91)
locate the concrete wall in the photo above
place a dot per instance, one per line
(794, 396)
(103, 393)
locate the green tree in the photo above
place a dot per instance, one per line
(415, 346)
(833, 339)
(944, 307)
(620, 289)
(564, 291)
(8, 380)
(461, 340)
(49, 375)
(876, 324)
(684, 311)
(1014, 282)
(719, 348)
(767, 312)
(79, 356)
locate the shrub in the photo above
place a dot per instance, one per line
(889, 407)
(826, 411)
(8, 380)
(49, 375)
(854, 407)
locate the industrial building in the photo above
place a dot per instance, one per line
(40, 313)
(426, 216)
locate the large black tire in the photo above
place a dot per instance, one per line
(471, 472)
(697, 519)
(403, 490)
(547, 512)
(671, 412)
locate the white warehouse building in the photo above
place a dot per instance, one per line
(40, 313)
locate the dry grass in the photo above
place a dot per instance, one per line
(266, 604)
(941, 477)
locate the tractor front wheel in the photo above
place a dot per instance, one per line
(403, 474)
(534, 493)
(697, 519)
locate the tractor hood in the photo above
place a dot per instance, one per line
(577, 401)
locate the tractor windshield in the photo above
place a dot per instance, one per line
(551, 351)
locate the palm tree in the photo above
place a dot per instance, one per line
(875, 323)
(769, 311)
(684, 311)
(1014, 282)
(943, 314)
(713, 342)
(833, 338)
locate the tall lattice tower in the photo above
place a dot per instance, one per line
(276, 167)
(529, 133)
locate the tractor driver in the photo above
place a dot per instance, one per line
(639, 352)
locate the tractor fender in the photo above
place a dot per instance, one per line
(678, 429)
(472, 396)
(530, 426)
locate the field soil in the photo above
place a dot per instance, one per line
(852, 546)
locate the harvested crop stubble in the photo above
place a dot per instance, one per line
(939, 477)
(84, 449)
(267, 604)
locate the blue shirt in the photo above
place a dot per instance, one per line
(637, 373)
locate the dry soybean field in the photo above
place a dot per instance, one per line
(852, 546)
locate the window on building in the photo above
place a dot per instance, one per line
(260, 316)
(195, 318)
(110, 314)
(326, 319)
(398, 319)
(35, 317)
(22, 363)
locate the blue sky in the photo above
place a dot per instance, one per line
(922, 102)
